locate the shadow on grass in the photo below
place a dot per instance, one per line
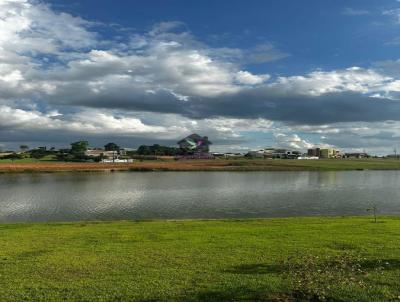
(31, 254)
(309, 278)
(228, 294)
(344, 246)
(236, 294)
(263, 268)
(381, 264)
(244, 294)
(256, 269)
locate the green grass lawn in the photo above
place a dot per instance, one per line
(224, 165)
(336, 259)
(47, 158)
(321, 164)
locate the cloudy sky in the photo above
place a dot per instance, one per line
(248, 74)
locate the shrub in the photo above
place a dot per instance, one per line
(314, 278)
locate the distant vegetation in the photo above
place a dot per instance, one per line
(77, 152)
(158, 150)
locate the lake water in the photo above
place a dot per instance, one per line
(177, 195)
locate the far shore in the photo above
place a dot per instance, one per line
(32, 166)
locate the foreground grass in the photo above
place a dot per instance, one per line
(29, 165)
(226, 260)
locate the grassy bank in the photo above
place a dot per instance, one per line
(207, 165)
(341, 259)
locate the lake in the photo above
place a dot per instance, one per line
(180, 195)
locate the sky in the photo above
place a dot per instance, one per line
(248, 74)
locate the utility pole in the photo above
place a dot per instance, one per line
(395, 153)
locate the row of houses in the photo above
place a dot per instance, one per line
(315, 153)
(193, 146)
(108, 156)
(274, 153)
(196, 146)
(333, 153)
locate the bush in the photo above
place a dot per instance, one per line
(13, 156)
(314, 278)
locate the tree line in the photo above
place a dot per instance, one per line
(78, 152)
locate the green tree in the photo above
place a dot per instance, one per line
(13, 156)
(38, 153)
(143, 150)
(79, 148)
(157, 150)
(112, 147)
(24, 148)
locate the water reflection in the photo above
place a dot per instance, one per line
(88, 196)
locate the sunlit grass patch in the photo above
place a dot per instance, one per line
(309, 259)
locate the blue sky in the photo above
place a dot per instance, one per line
(314, 33)
(249, 74)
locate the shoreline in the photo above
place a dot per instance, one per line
(237, 165)
(283, 219)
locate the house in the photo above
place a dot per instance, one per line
(293, 154)
(330, 153)
(7, 153)
(227, 155)
(233, 155)
(280, 153)
(269, 152)
(274, 153)
(255, 154)
(95, 153)
(356, 155)
(308, 157)
(218, 154)
(194, 143)
(324, 153)
(315, 152)
(129, 160)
